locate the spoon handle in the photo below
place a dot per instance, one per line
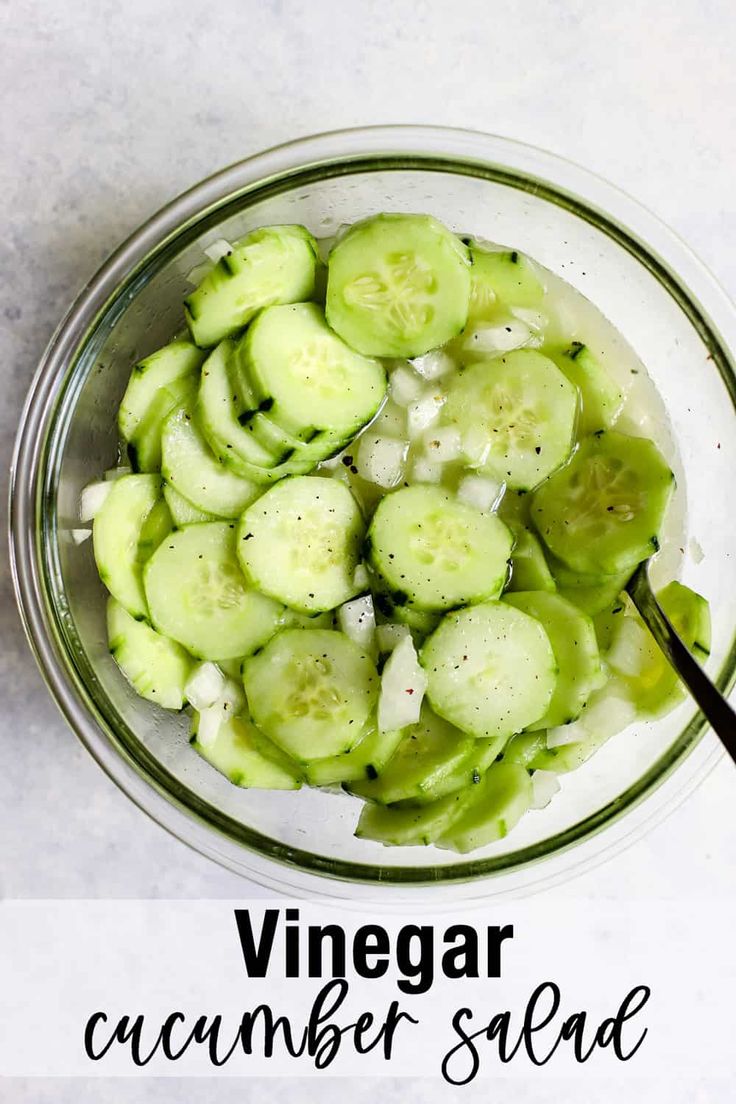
(718, 712)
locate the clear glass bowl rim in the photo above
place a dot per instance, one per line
(114, 747)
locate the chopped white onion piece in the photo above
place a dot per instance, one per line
(361, 578)
(696, 551)
(545, 784)
(389, 635)
(91, 500)
(79, 536)
(232, 697)
(391, 421)
(209, 724)
(475, 446)
(533, 318)
(499, 338)
(433, 365)
(204, 686)
(117, 473)
(426, 469)
(424, 412)
(357, 619)
(443, 444)
(606, 713)
(404, 385)
(480, 491)
(403, 685)
(631, 649)
(380, 460)
(218, 249)
(198, 273)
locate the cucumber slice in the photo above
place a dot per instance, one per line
(180, 360)
(466, 773)
(301, 541)
(189, 466)
(398, 285)
(155, 667)
(601, 399)
(495, 807)
(306, 377)
(247, 758)
(365, 760)
(436, 551)
(276, 264)
(575, 646)
(491, 669)
(182, 512)
(502, 278)
(430, 750)
(144, 449)
(218, 419)
(524, 748)
(312, 691)
(636, 659)
(155, 528)
(411, 826)
(529, 567)
(198, 596)
(601, 513)
(399, 826)
(117, 537)
(609, 711)
(590, 593)
(525, 407)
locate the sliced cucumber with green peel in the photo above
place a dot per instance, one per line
(311, 691)
(156, 527)
(591, 593)
(601, 399)
(525, 407)
(144, 449)
(496, 805)
(502, 278)
(365, 760)
(217, 415)
(491, 669)
(411, 826)
(180, 360)
(437, 551)
(117, 539)
(572, 636)
(398, 285)
(182, 512)
(189, 466)
(524, 748)
(636, 659)
(529, 567)
(609, 711)
(247, 758)
(198, 595)
(156, 667)
(301, 542)
(430, 750)
(276, 264)
(305, 377)
(601, 513)
(467, 773)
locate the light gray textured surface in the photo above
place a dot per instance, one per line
(110, 110)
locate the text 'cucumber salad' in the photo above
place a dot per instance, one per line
(379, 508)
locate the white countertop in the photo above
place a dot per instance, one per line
(111, 109)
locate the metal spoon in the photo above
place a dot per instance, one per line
(718, 712)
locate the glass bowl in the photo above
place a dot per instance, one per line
(647, 283)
